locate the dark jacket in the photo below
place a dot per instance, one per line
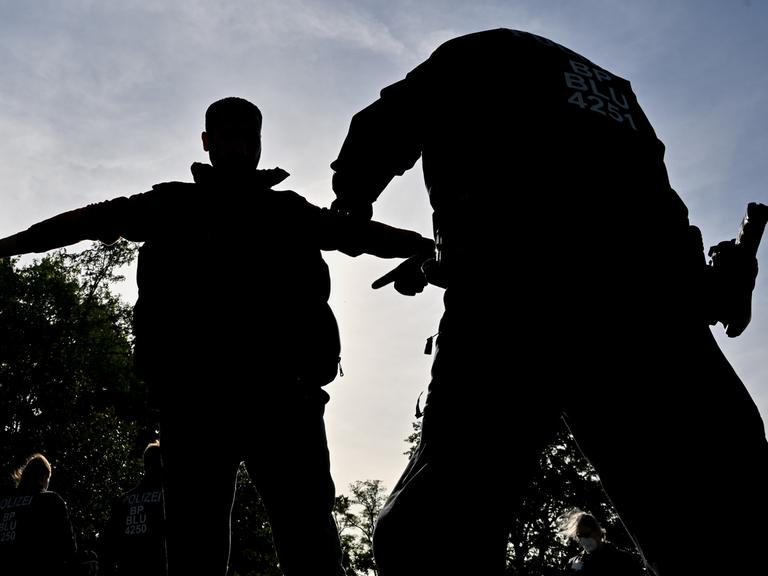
(230, 266)
(543, 172)
(36, 536)
(608, 560)
(133, 541)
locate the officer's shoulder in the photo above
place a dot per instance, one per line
(49, 495)
(483, 40)
(49, 498)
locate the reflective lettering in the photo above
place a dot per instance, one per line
(615, 97)
(575, 81)
(595, 91)
(602, 75)
(580, 68)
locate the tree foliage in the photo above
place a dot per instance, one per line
(253, 553)
(67, 388)
(355, 517)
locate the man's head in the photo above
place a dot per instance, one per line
(232, 134)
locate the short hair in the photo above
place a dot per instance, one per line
(34, 470)
(233, 111)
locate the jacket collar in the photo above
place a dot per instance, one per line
(207, 174)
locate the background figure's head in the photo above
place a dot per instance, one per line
(232, 134)
(34, 475)
(583, 528)
(152, 460)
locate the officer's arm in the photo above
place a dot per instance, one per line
(384, 140)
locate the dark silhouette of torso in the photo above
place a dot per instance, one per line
(573, 286)
(248, 281)
(133, 542)
(36, 536)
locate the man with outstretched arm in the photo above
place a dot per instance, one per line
(236, 339)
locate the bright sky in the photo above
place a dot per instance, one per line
(100, 99)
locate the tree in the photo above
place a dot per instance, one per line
(413, 439)
(67, 388)
(355, 517)
(253, 553)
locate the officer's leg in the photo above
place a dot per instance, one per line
(291, 471)
(452, 509)
(681, 450)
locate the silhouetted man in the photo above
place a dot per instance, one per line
(575, 284)
(236, 338)
(133, 541)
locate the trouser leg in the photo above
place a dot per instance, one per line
(291, 471)
(681, 450)
(199, 479)
(451, 511)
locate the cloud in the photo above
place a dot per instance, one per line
(286, 23)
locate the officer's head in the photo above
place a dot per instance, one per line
(581, 527)
(232, 134)
(152, 459)
(34, 475)
(589, 533)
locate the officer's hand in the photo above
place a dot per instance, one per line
(408, 277)
(354, 208)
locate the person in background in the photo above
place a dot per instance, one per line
(133, 541)
(599, 556)
(36, 536)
